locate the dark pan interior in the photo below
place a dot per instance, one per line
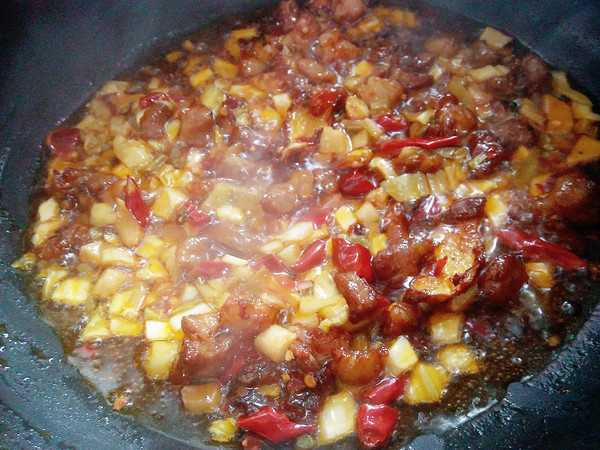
(54, 54)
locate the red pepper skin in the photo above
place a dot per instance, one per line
(375, 424)
(352, 257)
(212, 269)
(195, 216)
(312, 255)
(532, 247)
(391, 123)
(271, 424)
(355, 183)
(135, 203)
(318, 217)
(386, 391)
(429, 207)
(150, 99)
(393, 147)
(270, 262)
(323, 101)
(63, 141)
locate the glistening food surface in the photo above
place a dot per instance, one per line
(325, 213)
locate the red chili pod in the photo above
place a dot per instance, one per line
(532, 247)
(313, 255)
(150, 99)
(386, 391)
(318, 217)
(393, 147)
(270, 262)
(273, 425)
(212, 269)
(325, 100)
(355, 183)
(375, 424)
(135, 203)
(352, 257)
(63, 141)
(392, 123)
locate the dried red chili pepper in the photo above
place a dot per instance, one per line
(352, 257)
(375, 424)
(270, 262)
(150, 99)
(532, 247)
(273, 425)
(392, 123)
(322, 101)
(312, 255)
(429, 207)
(393, 147)
(318, 217)
(63, 141)
(355, 183)
(386, 391)
(135, 203)
(190, 212)
(212, 269)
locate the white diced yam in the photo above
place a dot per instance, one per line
(401, 357)
(102, 214)
(274, 342)
(48, 210)
(446, 328)
(202, 398)
(337, 418)
(125, 327)
(72, 291)
(167, 203)
(158, 330)
(162, 356)
(109, 282)
(200, 308)
(345, 217)
(134, 154)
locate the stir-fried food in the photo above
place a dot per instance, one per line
(304, 222)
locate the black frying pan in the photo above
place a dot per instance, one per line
(53, 55)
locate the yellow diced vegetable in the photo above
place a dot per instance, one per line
(167, 203)
(199, 78)
(162, 356)
(52, 275)
(158, 330)
(334, 141)
(97, 327)
(345, 217)
(494, 38)
(202, 398)
(337, 417)
(118, 256)
(401, 357)
(44, 230)
(363, 69)
(496, 210)
(378, 243)
(230, 213)
(212, 97)
(200, 308)
(25, 262)
(541, 274)
(274, 342)
(225, 68)
(134, 154)
(154, 270)
(356, 108)
(48, 210)
(426, 384)
(458, 358)
(128, 228)
(109, 282)
(282, 103)
(367, 214)
(383, 166)
(102, 214)
(223, 430)
(558, 114)
(151, 247)
(585, 150)
(72, 291)
(446, 328)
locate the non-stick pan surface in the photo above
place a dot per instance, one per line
(55, 54)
